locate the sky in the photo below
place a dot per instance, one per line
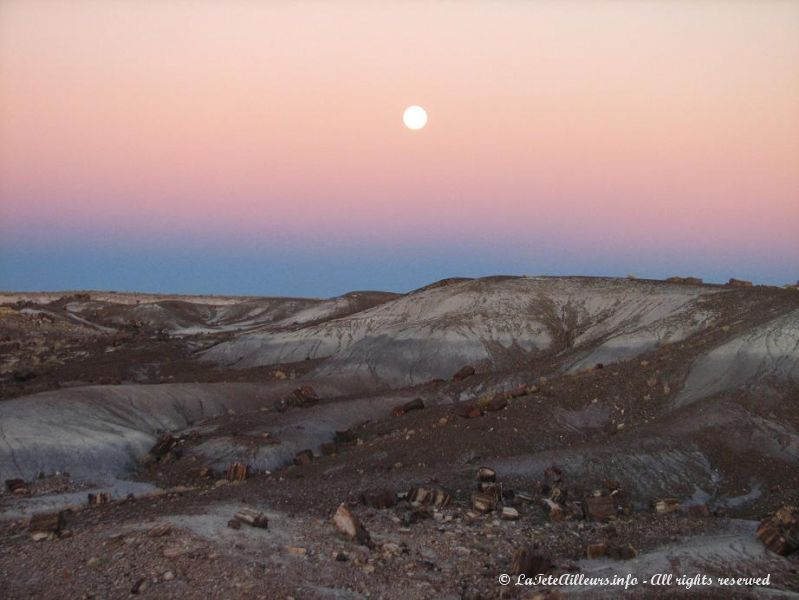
(248, 147)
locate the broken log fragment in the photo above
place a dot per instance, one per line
(349, 525)
(415, 404)
(463, 373)
(486, 474)
(47, 522)
(594, 551)
(236, 472)
(424, 496)
(303, 458)
(780, 531)
(164, 444)
(599, 508)
(252, 518)
(17, 487)
(509, 514)
(234, 524)
(97, 499)
(484, 502)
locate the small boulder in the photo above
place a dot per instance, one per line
(349, 525)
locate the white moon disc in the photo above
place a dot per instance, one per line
(414, 117)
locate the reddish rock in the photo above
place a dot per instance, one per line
(416, 404)
(470, 411)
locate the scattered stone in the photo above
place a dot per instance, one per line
(328, 449)
(380, 499)
(625, 552)
(699, 510)
(40, 536)
(93, 562)
(667, 505)
(168, 576)
(780, 531)
(509, 514)
(237, 472)
(252, 517)
(344, 436)
(349, 525)
(593, 551)
(139, 586)
(497, 403)
(470, 411)
(526, 561)
(303, 458)
(416, 404)
(464, 373)
(553, 475)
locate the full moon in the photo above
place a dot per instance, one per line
(414, 117)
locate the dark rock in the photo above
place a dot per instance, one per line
(303, 457)
(464, 373)
(526, 561)
(379, 499)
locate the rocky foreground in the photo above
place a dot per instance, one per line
(599, 438)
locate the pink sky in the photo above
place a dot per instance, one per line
(659, 127)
